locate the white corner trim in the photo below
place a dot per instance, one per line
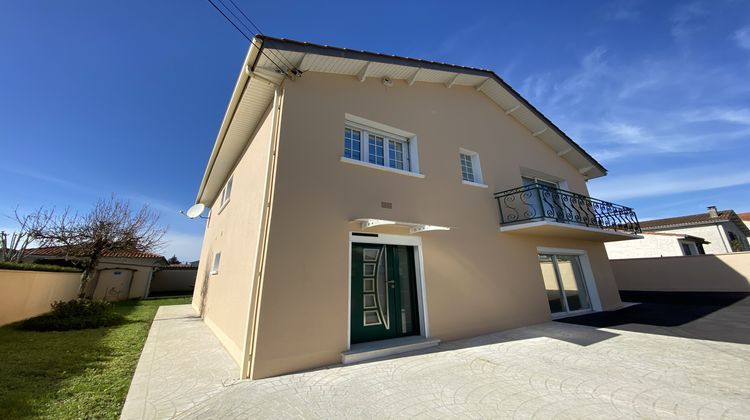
(382, 168)
(475, 184)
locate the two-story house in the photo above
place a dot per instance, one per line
(364, 204)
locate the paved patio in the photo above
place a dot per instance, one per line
(555, 369)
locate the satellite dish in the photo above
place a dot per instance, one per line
(195, 211)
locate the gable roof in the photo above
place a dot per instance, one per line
(693, 220)
(261, 73)
(678, 235)
(744, 216)
(58, 251)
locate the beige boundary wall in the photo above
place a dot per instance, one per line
(25, 294)
(697, 273)
(173, 280)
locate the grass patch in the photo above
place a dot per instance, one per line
(6, 265)
(74, 374)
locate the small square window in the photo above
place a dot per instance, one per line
(471, 171)
(226, 193)
(217, 261)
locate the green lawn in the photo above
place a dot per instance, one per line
(74, 374)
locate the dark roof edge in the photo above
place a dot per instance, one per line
(298, 46)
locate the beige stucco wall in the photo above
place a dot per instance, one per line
(223, 299)
(25, 294)
(698, 273)
(478, 280)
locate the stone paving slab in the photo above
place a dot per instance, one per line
(182, 364)
(551, 370)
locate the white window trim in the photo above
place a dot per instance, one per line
(366, 126)
(476, 166)
(588, 274)
(382, 168)
(216, 264)
(538, 176)
(223, 201)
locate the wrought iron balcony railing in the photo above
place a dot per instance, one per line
(537, 202)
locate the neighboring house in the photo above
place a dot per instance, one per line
(364, 204)
(657, 244)
(121, 275)
(745, 217)
(723, 231)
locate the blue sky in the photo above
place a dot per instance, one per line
(103, 97)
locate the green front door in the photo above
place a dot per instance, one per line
(384, 292)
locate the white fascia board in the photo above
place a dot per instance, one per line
(239, 87)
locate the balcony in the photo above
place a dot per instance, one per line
(541, 210)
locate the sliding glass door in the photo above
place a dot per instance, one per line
(564, 282)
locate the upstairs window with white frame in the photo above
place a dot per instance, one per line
(378, 146)
(471, 170)
(226, 193)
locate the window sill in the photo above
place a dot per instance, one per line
(475, 184)
(213, 273)
(382, 168)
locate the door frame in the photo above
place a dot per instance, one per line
(588, 277)
(387, 239)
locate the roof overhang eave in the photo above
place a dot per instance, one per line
(253, 52)
(594, 169)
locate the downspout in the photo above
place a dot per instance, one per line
(251, 325)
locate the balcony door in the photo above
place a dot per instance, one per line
(565, 283)
(549, 201)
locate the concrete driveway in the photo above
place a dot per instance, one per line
(552, 370)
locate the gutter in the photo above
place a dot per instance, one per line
(256, 45)
(249, 350)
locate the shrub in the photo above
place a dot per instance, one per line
(7, 265)
(76, 314)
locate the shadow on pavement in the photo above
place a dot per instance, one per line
(706, 316)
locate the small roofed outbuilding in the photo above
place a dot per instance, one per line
(120, 275)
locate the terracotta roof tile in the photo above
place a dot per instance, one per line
(744, 216)
(693, 219)
(57, 251)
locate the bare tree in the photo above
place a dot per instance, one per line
(13, 245)
(111, 226)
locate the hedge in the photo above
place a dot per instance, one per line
(5, 265)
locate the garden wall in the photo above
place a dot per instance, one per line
(695, 273)
(25, 294)
(173, 281)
